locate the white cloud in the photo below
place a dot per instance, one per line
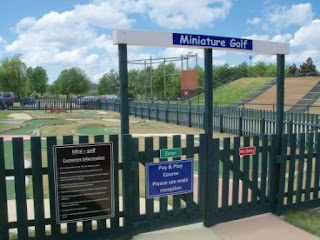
(281, 17)
(2, 40)
(308, 36)
(254, 21)
(264, 37)
(73, 38)
(176, 14)
(282, 38)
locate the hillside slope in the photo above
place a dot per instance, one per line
(296, 89)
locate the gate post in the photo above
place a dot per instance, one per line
(124, 95)
(128, 183)
(208, 113)
(279, 128)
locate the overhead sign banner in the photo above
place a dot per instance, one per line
(211, 41)
(83, 182)
(169, 178)
(186, 40)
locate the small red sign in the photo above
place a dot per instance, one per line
(245, 151)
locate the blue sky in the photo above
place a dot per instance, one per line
(61, 34)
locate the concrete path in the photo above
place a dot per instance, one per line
(262, 227)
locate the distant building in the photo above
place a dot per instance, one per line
(189, 84)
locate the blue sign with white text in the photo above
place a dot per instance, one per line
(211, 41)
(169, 178)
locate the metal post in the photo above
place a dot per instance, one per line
(151, 80)
(145, 79)
(164, 79)
(280, 99)
(208, 92)
(124, 95)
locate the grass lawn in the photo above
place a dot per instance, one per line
(308, 220)
(237, 90)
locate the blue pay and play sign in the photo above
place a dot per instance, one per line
(169, 178)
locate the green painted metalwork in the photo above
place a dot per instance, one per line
(256, 174)
(37, 184)
(4, 230)
(124, 95)
(20, 183)
(208, 125)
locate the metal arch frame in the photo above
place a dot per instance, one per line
(122, 38)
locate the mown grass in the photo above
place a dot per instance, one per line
(236, 91)
(308, 220)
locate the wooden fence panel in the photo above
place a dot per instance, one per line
(71, 227)
(20, 188)
(176, 198)
(37, 183)
(317, 168)
(55, 228)
(4, 231)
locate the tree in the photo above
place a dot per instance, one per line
(293, 70)
(38, 79)
(308, 68)
(109, 83)
(13, 76)
(258, 70)
(72, 81)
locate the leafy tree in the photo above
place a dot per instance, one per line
(258, 70)
(72, 81)
(270, 71)
(109, 83)
(308, 68)
(13, 76)
(293, 70)
(38, 79)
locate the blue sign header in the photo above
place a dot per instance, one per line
(169, 178)
(211, 41)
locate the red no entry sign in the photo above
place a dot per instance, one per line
(247, 151)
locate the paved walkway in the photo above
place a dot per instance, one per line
(262, 227)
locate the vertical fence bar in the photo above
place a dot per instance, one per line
(309, 167)
(317, 168)
(300, 166)
(264, 167)
(293, 148)
(128, 164)
(134, 150)
(115, 220)
(163, 144)
(255, 167)
(190, 154)
(55, 228)
(236, 173)
(4, 231)
(271, 173)
(20, 188)
(101, 223)
(72, 227)
(202, 173)
(149, 159)
(37, 184)
(212, 183)
(176, 198)
(226, 172)
(282, 174)
(245, 180)
(87, 225)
